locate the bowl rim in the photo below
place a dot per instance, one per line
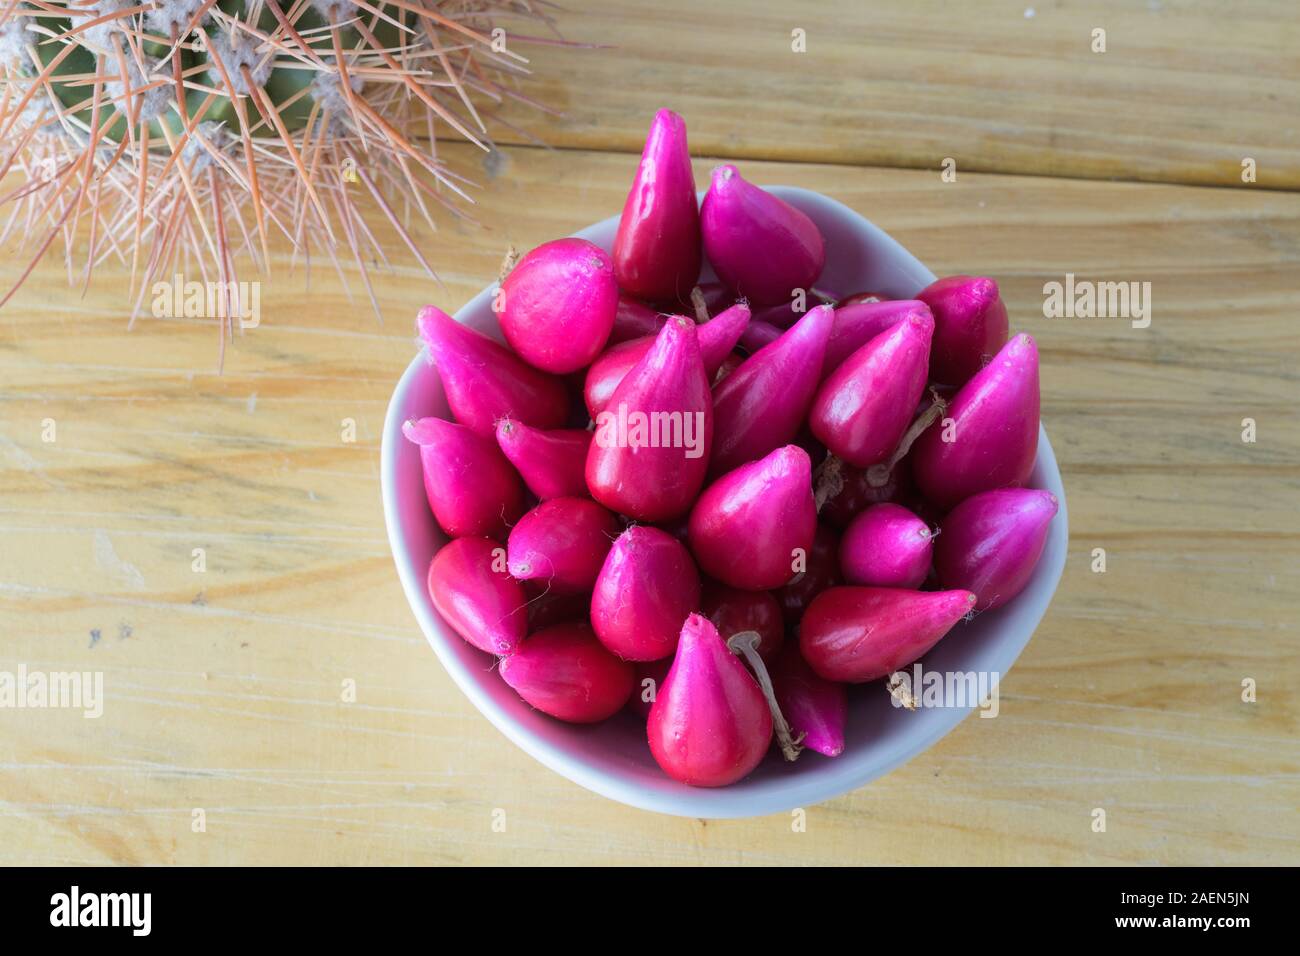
(780, 795)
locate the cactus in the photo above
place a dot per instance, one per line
(165, 132)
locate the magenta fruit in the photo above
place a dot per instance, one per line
(816, 708)
(970, 325)
(990, 436)
(857, 634)
(470, 588)
(562, 543)
(762, 404)
(709, 725)
(558, 304)
(750, 527)
(992, 541)
(657, 249)
(887, 547)
(471, 487)
(646, 588)
(485, 381)
(865, 405)
(760, 245)
(550, 462)
(565, 672)
(651, 448)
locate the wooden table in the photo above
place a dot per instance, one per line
(224, 688)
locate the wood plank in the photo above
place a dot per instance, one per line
(1183, 93)
(224, 687)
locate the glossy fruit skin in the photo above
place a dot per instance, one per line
(643, 477)
(991, 543)
(858, 634)
(857, 324)
(709, 725)
(746, 527)
(760, 245)
(471, 487)
(970, 326)
(762, 404)
(994, 427)
(484, 381)
(821, 571)
(647, 587)
(558, 305)
(551, 463)
(812, 705)
(887, 546)
(483, 605)
(717, 338)
(732, 610)
(863, 408)
(657, 248)
(565, 672)
(563, 543)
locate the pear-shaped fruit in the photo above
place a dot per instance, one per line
(865, 405)
(646, 588)
(484, 381)
(709, 724)
(550, 462)
(651, 448)
(857, 634)
(989, 437)
(762, 404)
(760, 245)
(992, 541)
(565, 672)
(970, 325)
(470, 588)
(657, 248)
(752, 526)
(562, 543)
(471, 487)
(814, 707)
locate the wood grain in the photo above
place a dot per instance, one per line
(224, 688)
(1184, 92)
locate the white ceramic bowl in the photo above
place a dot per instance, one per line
(613, 758)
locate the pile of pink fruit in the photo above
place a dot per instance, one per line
(716, 504)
